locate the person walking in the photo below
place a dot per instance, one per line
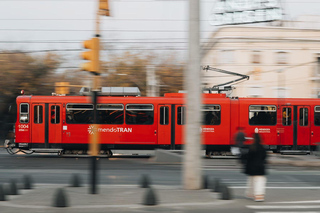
(240, 139)
(254, 167)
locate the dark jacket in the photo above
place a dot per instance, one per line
(255, 160)
(240, 139)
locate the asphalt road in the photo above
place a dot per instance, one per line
(289, 189)
(127, 169)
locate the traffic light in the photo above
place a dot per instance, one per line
(92, 55)
(104, 7)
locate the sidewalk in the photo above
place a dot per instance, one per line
(131, 198)
(112, 198)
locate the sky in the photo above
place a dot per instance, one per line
(156, 25)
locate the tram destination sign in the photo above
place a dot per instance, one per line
(231, 12)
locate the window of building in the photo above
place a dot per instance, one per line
(181, 115)
(282, 57)
(286, 116)
(139, 114)
(227, 56)
(262, 115)
(256, 57)
(38, 114)
(24, 113)
(79, 114)
(211, 115)
(164, 115)
(281, 92)
(255, 91)
(303, 117)
(317, 115)
(318, 66)
(110, 114)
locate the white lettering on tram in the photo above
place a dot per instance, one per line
(207, 129)
(23, 127)
(110, 130)
(115, 129)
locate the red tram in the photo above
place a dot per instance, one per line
(64, 123)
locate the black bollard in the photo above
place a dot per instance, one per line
(225, 192)
(215, 186)
(149, 198)
(27, 182)
(13, 189)
(145, 181)
(75, 181)
(60, 198)
(2, 194)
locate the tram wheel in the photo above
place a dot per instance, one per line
(209, 153)
(9, 146)
(109, 153)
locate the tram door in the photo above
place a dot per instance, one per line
(38, 124)
(55, 125)
(180, 121)
(303, 126)
(295, 126)
(46, 125)
(164, 125)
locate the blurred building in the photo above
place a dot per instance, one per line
(281, 61)
(303, 22)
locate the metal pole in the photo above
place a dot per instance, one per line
(93, 189)
(192, 171)
(94, 140)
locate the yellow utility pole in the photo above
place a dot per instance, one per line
(93, 66)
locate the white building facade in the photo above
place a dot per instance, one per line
(281, 62)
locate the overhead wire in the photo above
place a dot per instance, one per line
(146, 1)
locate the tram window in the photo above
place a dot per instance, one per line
(139, 114)
(181, 119)
(38, 114)
(303, 117)
(24, 113)
(286, 116)
(55, 114)
(164, 115)
(317, 115)
(79, 114)
(110, 113)
(211, 115)
(262, 115)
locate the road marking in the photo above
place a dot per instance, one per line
(110, 186)
(8, 204)
(273, 182)
(297, 202)
(284, 207)
(219, 169)
(280, 187)
(290, 212)
(160, 186)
